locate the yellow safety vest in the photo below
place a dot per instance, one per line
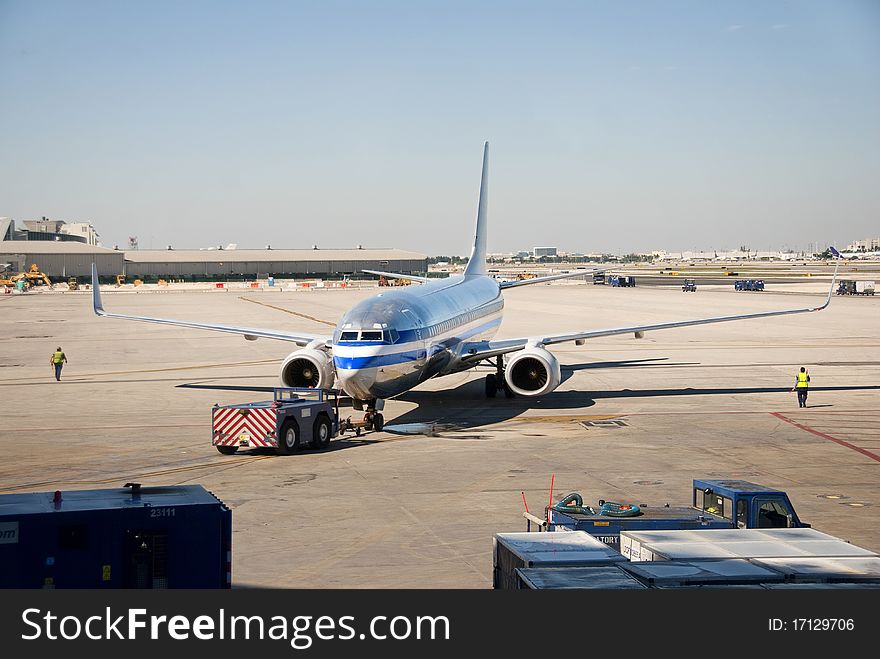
(802, 381)
(58, 357)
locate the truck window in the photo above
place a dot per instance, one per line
(773, 515)
(714, 503)
(742, 513)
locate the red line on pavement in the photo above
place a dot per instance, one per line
(823, 435)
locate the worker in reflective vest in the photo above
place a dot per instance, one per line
(58, 360)
(802, 386)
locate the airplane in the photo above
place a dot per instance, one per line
(397, 339)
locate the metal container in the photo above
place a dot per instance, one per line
(734, 543)
(142, 537)
(557, 578)
(574, 548)
(691, 573)
(818, 569)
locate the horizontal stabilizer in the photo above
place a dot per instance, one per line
(396, 275)
(541, 280)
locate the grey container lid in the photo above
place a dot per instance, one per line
(821, 586)
(821, 568)
(598, 577)
(743, 543)
(14, 505)
(726, 571)
(558, 548)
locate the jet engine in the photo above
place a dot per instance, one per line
(307, 368)
(532, 372)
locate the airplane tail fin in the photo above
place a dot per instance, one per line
(476, 265)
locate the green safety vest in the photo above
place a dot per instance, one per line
(803, 381)
(58, 357)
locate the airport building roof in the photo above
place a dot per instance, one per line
(51, 247)
(297, 255)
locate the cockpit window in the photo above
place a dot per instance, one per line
(392, 335)
(348, 336)
(371, 335)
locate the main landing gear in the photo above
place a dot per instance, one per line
(495, 382)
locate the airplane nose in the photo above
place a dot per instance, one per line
(356, 383)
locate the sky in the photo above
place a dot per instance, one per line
(613, 126)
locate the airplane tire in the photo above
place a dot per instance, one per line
(378, 422)
(508, 392)
(491, 385)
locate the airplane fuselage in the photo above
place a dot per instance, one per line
(391, 342)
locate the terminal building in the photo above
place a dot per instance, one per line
(49, 230)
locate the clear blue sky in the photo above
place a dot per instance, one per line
(619, 126)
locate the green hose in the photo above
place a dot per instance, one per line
(612, 509)
(573, 503)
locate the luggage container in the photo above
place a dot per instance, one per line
(565, 578)
(815, 569)
(728, 572)
(734, 543)
(563, 549)
(133, 537)
(864, 288)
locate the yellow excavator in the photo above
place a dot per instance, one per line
(33, 277)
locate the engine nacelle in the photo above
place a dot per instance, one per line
(308, 368)
(533, 372)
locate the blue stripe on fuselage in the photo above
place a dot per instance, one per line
(374, 361)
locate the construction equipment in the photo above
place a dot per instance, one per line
(120, 280)
(526, 275)
(400, 281)
(72, 284)
(34, 277)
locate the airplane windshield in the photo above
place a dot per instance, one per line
(348, 336)
(371, 336)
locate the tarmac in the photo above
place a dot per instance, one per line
(635, 420)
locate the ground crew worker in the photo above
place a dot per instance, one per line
(58, 360)
(802, 386)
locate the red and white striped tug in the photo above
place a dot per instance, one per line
(295, 417)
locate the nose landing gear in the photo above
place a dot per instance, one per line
(373, 419)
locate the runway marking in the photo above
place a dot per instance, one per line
(567, 418)
(823, 435)
(148, 474)
(292, 313)
(113, 427)
(83, 377)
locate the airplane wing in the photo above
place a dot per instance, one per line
(249, 333)
(477, 351)
(395, 275)
(541, 280)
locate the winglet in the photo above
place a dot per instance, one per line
(96, 293)
(837, 257)
(476, 264)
